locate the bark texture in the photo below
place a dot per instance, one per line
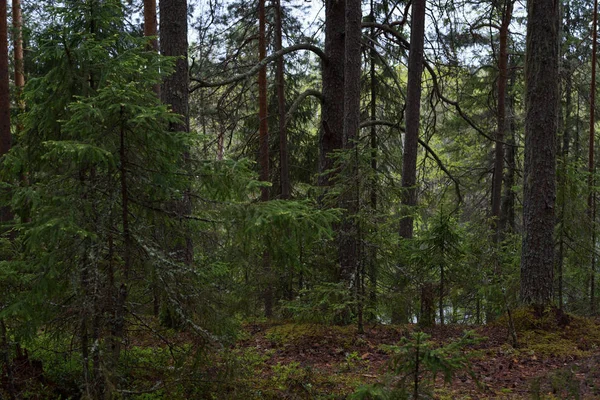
(591, 165)
(17, 20)
(263, 127)
(333, 87)
(175, 89)
(501, 115)
(284, 174)
(174, 42)
(412, 117)
(151, 29)
(5, 135)
(348, 250)
(541, 124)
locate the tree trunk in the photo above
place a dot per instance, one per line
(348, 250)
(348, 246)
(408, 199)
(279, 76)
(499, 152)
(507, 215)
(591, 165)
(150, 30)
(541, 120)
(175, 90)
(174, 43)
(374, 180)
(5, 135)
(562, 178)
(412, 117)
(263, 124)
(332, 113)
(18, 51)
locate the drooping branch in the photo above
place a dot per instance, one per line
(429, 150)
(406, 45)
(254, 70)
(296, 104)
(386, 65)
(388, 29)
(458, 108)
(443, 168)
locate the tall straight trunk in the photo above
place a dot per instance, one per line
(263, 125)
(5, 135)
(175, 91)
(412, 117)
(562, 178)
(507, 215)
(501, 115)
(120, 309)
(408, 199)
(174, 43)
(348, 244)
(591, 165)
(279, 77)
(374, 180)
(151, 30)
(17, 19)
(332, 116)
(541, 124)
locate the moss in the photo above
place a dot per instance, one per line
(527, 318)
(296, 334)
(549, 344)
(554, 332)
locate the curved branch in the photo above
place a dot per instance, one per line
(386, 65)
(300, 99)
(426, 147)
(254, 70)
(406, 45)
(443, 168)
(388, 29)
(458, 108)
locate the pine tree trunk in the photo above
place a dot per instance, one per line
(374, 181)
(263, 161)
(591, 165)
(507, 215)
(541, 124)
(412, 118)
(5, 135)
(408, 199)
(18, 51)
(174, 43)
(499, 151)
(333, 88)
(151, 30)
(348, 246)
(279, 76)
(175, 91)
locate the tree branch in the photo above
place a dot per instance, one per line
(300, 99)
(429, 150)
(254, 70)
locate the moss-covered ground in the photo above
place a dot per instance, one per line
(558, 357)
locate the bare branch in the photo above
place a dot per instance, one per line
(300, 99)
(429, 150)
(254, 70)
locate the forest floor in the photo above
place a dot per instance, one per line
(557, 357)
(305, 361)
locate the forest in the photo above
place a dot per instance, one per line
(299, 199)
